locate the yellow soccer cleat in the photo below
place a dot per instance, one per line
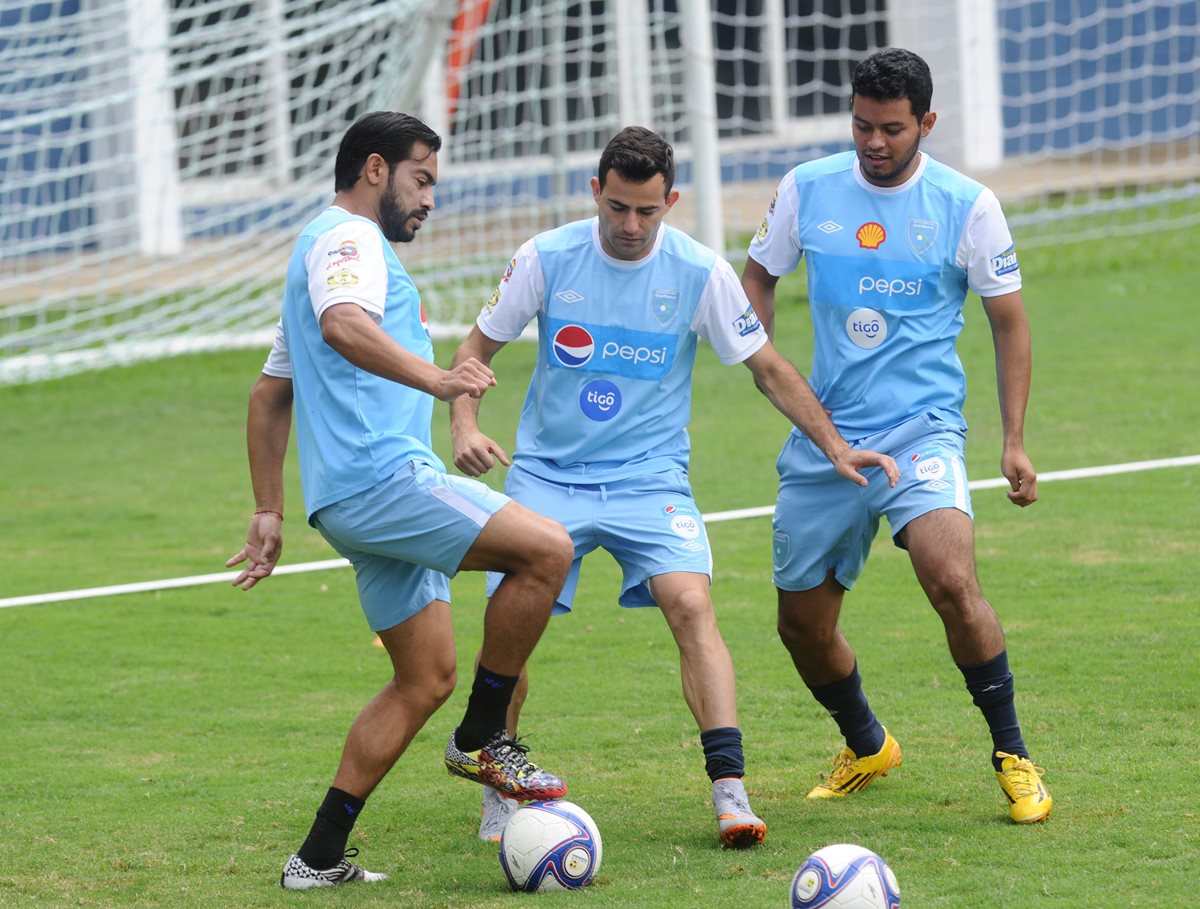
(1021, 780)
(851, 773)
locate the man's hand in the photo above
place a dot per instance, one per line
(475, 454)
(470, 377)
(852, 460)
(264, 545)
(1018, 470)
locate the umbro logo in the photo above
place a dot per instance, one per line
(569, 296)
(829, 227)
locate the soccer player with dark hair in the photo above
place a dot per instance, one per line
(353, 354)
(893, 241)
(621, 300)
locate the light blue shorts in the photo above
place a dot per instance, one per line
(649, 524)
(406, 537)
(824, 522)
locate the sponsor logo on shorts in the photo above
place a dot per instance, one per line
(692, 546)
(686, 526)
(932, 469)
(937, 485)
(1005, 262)
(573, 346)
(600, 400)
(866, 328)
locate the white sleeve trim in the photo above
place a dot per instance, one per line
(279, 364)
(517, 299)
(776, 245)
(725, 319)
(347, 265)
(986, 251)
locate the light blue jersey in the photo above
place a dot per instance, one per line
(610, 397)
(354, 429)
(888, 273)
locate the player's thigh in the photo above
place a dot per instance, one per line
(822, 524)
(652, 527)
(421, 647)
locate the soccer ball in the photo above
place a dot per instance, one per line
(550, 846)
(845, 877)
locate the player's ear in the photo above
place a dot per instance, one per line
(927, 122)
(596, 189)
(375, 169)
(672, 198)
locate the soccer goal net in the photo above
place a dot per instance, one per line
(157, 156)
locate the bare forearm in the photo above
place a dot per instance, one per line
(268, 423)
(348, 329)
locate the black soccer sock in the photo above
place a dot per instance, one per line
(487, 708)
(723, 757)
(848, 706)
(326, 842)
(991, 687)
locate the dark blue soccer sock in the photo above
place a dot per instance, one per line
(723, 757)
(848, 706)
(487, 708)
(991, 687)
(326, 842)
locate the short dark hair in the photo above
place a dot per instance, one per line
(386, 133)
(892, 74)
(637, 154)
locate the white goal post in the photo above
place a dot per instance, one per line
(158, 156)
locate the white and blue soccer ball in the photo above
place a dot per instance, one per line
(550, 846)
(845, 877)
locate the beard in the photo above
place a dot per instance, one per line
(393, 220)
(895, 171)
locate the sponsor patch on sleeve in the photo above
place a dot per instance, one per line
(1005, 262)
(747, 323)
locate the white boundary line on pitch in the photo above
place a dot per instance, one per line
(1081, 473)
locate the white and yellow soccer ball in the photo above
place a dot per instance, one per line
(845, 876)
(551, 845)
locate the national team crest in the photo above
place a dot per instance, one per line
(664, 304)
(921, 235)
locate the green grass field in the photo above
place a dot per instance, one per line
(169, 749)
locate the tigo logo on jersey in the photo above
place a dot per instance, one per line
(870, 235)
(1005, 262)
(600, 400)
(573, 346)
(866, 328)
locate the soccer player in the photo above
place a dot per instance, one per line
(893, 241)
(621, 300)
(353, 352)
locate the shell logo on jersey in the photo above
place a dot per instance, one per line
(600, 400)
(870, 235)
(342, 278)
(866, 328)
(573, 346)
(1005, 262)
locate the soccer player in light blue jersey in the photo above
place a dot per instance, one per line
(893, 241)
(353, 353)
(620, 301)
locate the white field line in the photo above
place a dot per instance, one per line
(1081, 473)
